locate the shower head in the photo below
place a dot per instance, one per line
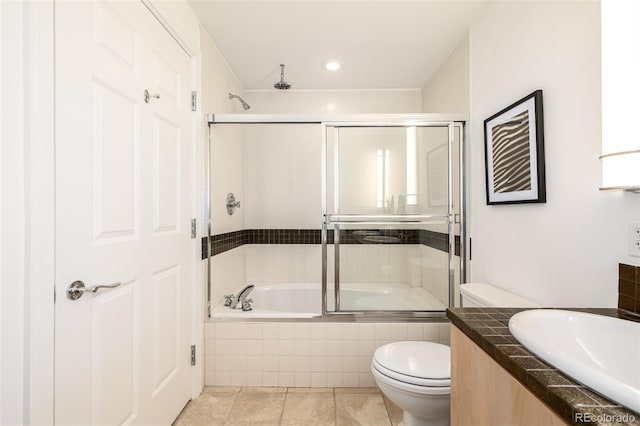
(245, 105)
(282, 85)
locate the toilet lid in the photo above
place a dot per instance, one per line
(422, 360)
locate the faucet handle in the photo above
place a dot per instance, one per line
(228, 299)
(246, 305)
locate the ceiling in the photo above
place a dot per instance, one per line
(381, 44)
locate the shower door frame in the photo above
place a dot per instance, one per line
(451, 121)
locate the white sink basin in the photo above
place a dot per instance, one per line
(600, 352)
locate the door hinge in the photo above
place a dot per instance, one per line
(193, 354)
(193, 228)
(193, 100)
(54, 295)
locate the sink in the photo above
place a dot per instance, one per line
(600, 352)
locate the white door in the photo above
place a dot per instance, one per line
(123, 204)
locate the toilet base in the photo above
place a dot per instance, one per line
(417, 409)
(420, 406)
(409, 419)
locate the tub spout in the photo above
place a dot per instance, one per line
(242, 296)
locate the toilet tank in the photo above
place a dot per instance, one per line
(487, 296)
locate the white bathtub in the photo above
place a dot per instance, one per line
(303, 300)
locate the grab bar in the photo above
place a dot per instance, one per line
(407, 218)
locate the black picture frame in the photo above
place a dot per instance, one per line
(514, 153)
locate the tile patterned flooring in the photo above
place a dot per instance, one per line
(249, 406)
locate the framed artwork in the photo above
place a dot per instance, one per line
(514, 153)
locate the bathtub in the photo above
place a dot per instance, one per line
(303, 300)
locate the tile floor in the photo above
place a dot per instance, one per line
(234, 406)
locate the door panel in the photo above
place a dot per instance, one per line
(122, 213)
(167, 160)
(388, 217)
(166, 331)
(114, 391)
(115, 164)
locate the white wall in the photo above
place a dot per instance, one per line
(564, 252)
(26, 213)
(227, 172)
(12, 215)
(227, 165)
(333, 101)
(448, 89)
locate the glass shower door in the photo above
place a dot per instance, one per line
(389, 218)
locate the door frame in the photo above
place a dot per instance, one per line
(39, 318)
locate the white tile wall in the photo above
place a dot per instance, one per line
(227, 272)
(434, 272)
(282, 176)
(302, 354)
(282, 263)
(368, 263)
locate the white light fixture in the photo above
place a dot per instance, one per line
(620, 93)
(332, 65)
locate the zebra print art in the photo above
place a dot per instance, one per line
(514, 153)
(511, 158)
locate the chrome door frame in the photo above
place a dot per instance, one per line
(427, 120)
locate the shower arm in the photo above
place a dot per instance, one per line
(245, 105)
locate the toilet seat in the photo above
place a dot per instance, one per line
(416, 363)
(411, 380)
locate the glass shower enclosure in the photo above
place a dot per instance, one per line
(392, 225)
(392, 216)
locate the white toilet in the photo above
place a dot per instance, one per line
(416, 376)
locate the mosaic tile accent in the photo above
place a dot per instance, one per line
(629, 288)
(230, 240)
(489, 329)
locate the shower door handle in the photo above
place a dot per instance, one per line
(76, 289)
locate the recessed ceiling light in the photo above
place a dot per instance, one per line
(332, 65)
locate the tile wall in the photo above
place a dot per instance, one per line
(411, 264)
(629, 287)
(303, 354)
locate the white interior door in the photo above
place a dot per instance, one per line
(123, 208)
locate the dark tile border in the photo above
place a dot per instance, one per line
(629, 288)
(489, 329)
(221, 243)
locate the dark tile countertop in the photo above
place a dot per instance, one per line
(573, 402)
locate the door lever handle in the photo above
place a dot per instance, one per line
(77, 288)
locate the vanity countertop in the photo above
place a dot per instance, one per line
(573, 402)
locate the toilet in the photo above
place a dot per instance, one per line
(416, 376)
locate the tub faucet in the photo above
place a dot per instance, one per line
(241, 297)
